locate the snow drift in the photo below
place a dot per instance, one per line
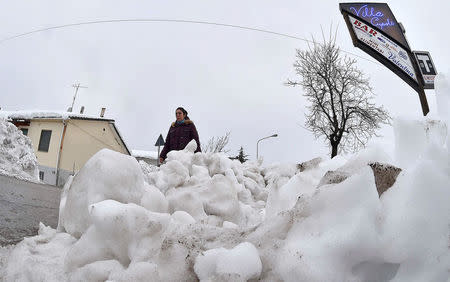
(206, 217)
(17, 158)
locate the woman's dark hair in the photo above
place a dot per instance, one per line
(184, 112)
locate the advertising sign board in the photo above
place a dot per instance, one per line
(378, 15)
(375, 30)
(383, 45)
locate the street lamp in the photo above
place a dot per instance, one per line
(257, 144)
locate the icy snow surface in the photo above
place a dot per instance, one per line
(17, 158)
(205, 217)
(144, 154)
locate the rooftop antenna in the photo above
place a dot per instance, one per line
(76, 86)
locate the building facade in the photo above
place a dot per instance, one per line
(63, 142)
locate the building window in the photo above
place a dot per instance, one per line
(24, 131)
(41, 175)
(44, 141)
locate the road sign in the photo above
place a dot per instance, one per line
(426, 67)
(160, 141)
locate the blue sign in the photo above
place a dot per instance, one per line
(378, 15)
(375, 17)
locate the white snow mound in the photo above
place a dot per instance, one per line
(17, 157)
(202, 216)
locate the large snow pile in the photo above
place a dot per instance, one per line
(17, 158)
(205, 217)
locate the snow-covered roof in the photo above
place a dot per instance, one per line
(39, 114)
(144, 154)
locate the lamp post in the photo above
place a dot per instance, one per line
(257, 144)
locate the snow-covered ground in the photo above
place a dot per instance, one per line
(17, 158)
(204, 216)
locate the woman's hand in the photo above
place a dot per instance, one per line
(161, 160)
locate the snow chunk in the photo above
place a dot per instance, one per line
(187, 200)
(242, 262)
(338, 231)
(191, 146)
(227, 224)
(62, 203)
(220, 199)
(154, 200)
(40, 258)
(122, 232)
(417, 217)
(107, 175)
(182, 217)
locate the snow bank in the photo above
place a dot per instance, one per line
(205, 217)
(17, 158)
(39, 258)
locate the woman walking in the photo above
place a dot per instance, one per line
(181, 132)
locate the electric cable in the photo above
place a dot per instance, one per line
(172, 21)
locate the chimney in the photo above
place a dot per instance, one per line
(82, 110)
(102, 113)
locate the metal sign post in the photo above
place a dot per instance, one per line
(159, 143)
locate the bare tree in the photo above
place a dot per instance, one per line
(217, 144)
(339, 94)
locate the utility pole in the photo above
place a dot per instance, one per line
(76, 86)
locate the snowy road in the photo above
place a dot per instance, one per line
(23, 205)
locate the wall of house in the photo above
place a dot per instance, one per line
(46, 160)
(47, 174)
(83, 139)
(49, 158)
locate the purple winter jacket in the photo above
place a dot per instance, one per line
(179, 136)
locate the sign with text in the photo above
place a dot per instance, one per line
(426, 67)
(375, 30)
(378, 15)
(383, 45)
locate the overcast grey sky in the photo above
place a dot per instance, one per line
(228, 79)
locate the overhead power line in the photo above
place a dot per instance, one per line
(171, 21)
